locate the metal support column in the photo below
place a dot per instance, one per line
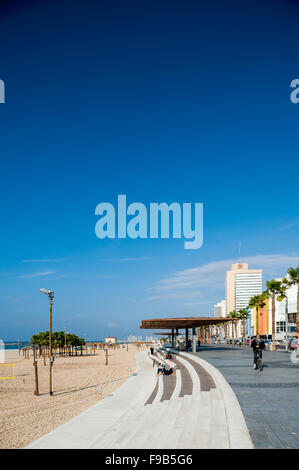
(194, 339)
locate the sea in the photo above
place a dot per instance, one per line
(14, 344)
(21, 344)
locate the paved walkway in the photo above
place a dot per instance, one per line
(269, 399)
(194, 408)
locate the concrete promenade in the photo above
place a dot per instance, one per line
(269, 399)
(194, 408)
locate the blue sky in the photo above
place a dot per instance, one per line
(164, 101)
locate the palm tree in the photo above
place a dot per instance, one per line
(234, 316)
(224, 330)
(258, 302)
(243, 315)
(294, 280)
(275, 289)
(253, 303)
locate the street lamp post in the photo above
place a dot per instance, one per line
(50, 294)
(65, 342)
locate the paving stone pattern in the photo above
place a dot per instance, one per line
(269, 399)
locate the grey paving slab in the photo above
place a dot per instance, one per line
(269, 399)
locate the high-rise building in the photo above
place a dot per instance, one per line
(219, 309)
(242, 284)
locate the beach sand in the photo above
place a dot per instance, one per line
(25, 417)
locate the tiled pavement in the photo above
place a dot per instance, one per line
(269, 399)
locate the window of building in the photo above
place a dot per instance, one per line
(280, 326)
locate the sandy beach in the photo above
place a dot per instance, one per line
(25, 417)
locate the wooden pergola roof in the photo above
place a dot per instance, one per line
(183, 322)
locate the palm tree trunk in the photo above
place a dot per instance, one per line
(257, 321)
(233, 338)
(273, 322)
(244, 332)
(225, 334)
(297, 316)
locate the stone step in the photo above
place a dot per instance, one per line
(154, 422)
(191, 423)
(158, 397)
(202, 428)
(157, 440)
(193, 374)
(126, 428)
(125, 425)
(140, 426)
(219, 429)
(172, 437)
(178, 385)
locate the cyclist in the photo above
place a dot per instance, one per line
(258, 346)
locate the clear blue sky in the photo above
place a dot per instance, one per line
(162, 101)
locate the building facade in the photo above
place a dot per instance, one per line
(242, 284)
(285, 314)
(220, 309)
(111, 340)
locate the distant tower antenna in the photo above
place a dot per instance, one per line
(239, 251)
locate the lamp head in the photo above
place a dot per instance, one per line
(44, 291)
(50, 293)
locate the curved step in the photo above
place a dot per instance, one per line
(155, 420)
(206, 380)
(169, 384)
(191, 423)
(202, 429)
(154, 392)
(163, 427)
(193, 374)
(219, 428)
(178, 385)
(173, 436)
(238, 434)
(159, 394)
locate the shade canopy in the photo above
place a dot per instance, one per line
(182, 322)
